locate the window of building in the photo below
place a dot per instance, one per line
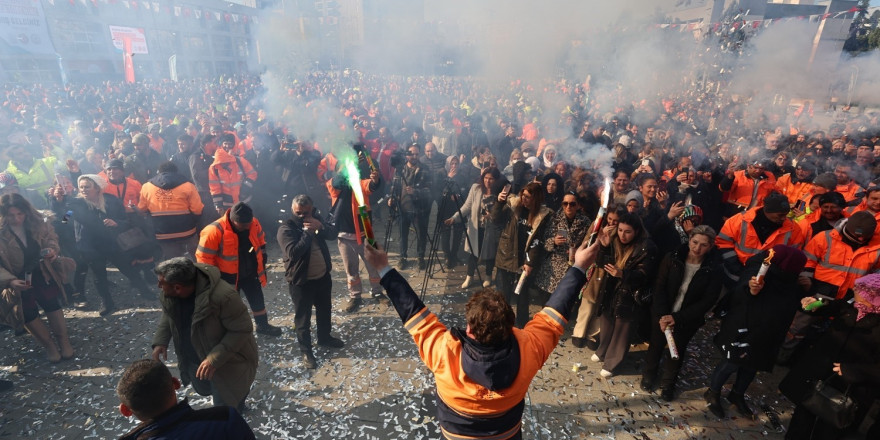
(222, 46)
(31, 70)
(79, 37)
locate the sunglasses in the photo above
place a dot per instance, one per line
(569, 203)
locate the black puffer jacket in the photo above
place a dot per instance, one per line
(617, 295)
(701, 294)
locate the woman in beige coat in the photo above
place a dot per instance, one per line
(28, 246)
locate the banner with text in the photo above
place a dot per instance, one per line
(136, 35)
(23, 27)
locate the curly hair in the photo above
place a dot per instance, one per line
(489, 317)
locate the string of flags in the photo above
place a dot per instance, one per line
(752, 24)
(142, 6)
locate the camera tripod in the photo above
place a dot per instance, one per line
(450, 195)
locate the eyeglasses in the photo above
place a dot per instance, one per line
(569, 203)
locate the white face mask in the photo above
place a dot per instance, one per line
(526, 154)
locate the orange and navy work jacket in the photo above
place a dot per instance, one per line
(738, 238)
(173, 204)
(225, 178)
(218, 246)
(743, 189)
(831, 260)
(466, 407)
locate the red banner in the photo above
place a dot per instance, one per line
(127, 59)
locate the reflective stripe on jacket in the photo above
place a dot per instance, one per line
(39, 177)
(175, 211)
(225, 178)
(831, 260)
(739, 236)
(218, 246)
(743, 189)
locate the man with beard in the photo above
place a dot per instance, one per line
(845, 183)
(144, 163)
(798, 185)
(180, 159)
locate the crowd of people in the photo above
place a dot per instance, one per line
(713, 205)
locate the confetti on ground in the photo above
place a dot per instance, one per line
(374, 388)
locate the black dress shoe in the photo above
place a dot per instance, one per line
(331, 342)
(403, 264)
(667, 394)
(578, 342)
(309, 361)
(592, 345)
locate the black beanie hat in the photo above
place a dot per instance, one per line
(832, 197)
(241, 213)
(776, 203)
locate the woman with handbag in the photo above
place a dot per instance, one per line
(845, 359)
(28, 247)
(101, 227)
(628, 259)
(482, 232)
(687, 286)
(754, 327)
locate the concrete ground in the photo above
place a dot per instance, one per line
(374, 388)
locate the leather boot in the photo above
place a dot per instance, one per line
(739, 401)
(713, 398)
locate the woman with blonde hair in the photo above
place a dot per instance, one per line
(98, 218)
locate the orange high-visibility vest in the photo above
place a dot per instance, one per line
(831, 260)
(218, 246)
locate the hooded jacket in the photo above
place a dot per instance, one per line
(221, 333)
(481, 389)
(174, 204)
(181, 421)
(225, 177)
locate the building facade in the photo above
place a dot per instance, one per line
(196, 38)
